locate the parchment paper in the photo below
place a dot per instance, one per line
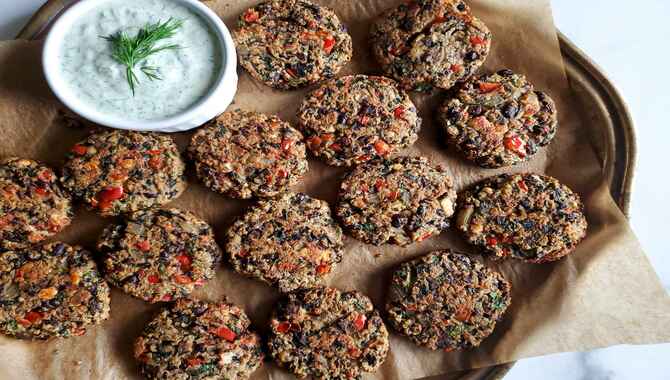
(603, 294)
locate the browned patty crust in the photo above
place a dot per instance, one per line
(33, 205)
(528, 216)
(199, 340)
(50, 290)
(398, 201)
(325, 333)
(159, 254)
(356, 118)
(499, 119)
(444, 300)
(290, 242)
(243, 154)
(288, 44)
(119, 171)
(430, 43)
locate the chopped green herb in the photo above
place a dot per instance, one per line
(129, 51)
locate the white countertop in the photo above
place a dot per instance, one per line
(629, 40)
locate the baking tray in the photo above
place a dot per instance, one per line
(599, 98)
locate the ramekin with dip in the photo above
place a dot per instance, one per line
(163, 65)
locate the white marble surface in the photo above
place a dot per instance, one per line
(629, 40)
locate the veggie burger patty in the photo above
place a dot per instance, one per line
(159, 254)
(33, 205)
(326, 333)
(445, 300)
(288, 44)
(50, 290)
(356, 118)
(117, 172)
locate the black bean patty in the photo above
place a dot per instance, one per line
(430, 43)
(118, 171)
(288, 44)
(243, 154)
(199, 340)
(498, 119)
(290, 242)
(324, 333)
(531, 217)
(33, 206)
(445, 300)
(398, 201)
(356, 118)
(50, 290)
(159, 254)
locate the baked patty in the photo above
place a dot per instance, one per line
(430, 43)
(243, 154)
(498, 119)
(33, 206)
(356, 118)
(288, 44)
(119, 172)
(50, 290)
(159, 254)
(290, 242)
(531, 217)
(324, 333)
(194, 339)
(398, 201)
(444, 300)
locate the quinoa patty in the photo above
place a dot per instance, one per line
(290, 242)
(526, 216)
(118, 171)
(399, 201)
(50, 290)
(430, 43)
(498, 119)
(325, 333)
(33, 206)
(288, 44)
(444, 300)
(159, 254)
(199, 340)
(355, 118)
(244, 154)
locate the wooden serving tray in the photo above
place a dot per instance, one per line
(593, 90)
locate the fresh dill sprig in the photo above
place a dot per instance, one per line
(129, 51)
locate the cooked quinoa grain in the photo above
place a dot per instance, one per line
(325, 333)
(290, 242)
(444, 300)
(118, 171)
(430, 43)
(288, 44)
(33, 205)
(50, 290)
(356, 118)
(499, 119)
(526, 216)
(243, 154)
(199, 340)
(398, 201)
(159, 254)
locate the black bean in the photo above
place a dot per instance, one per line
(453, 114)
(471, 56)
(510, 110)
(398, 221)
(461, 7)
(475, 110)
(505, 72)
(407, 24)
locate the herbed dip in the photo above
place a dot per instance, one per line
(181, 75)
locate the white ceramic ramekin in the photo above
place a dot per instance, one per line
(213, 103)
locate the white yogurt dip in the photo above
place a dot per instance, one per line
(98, 80)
